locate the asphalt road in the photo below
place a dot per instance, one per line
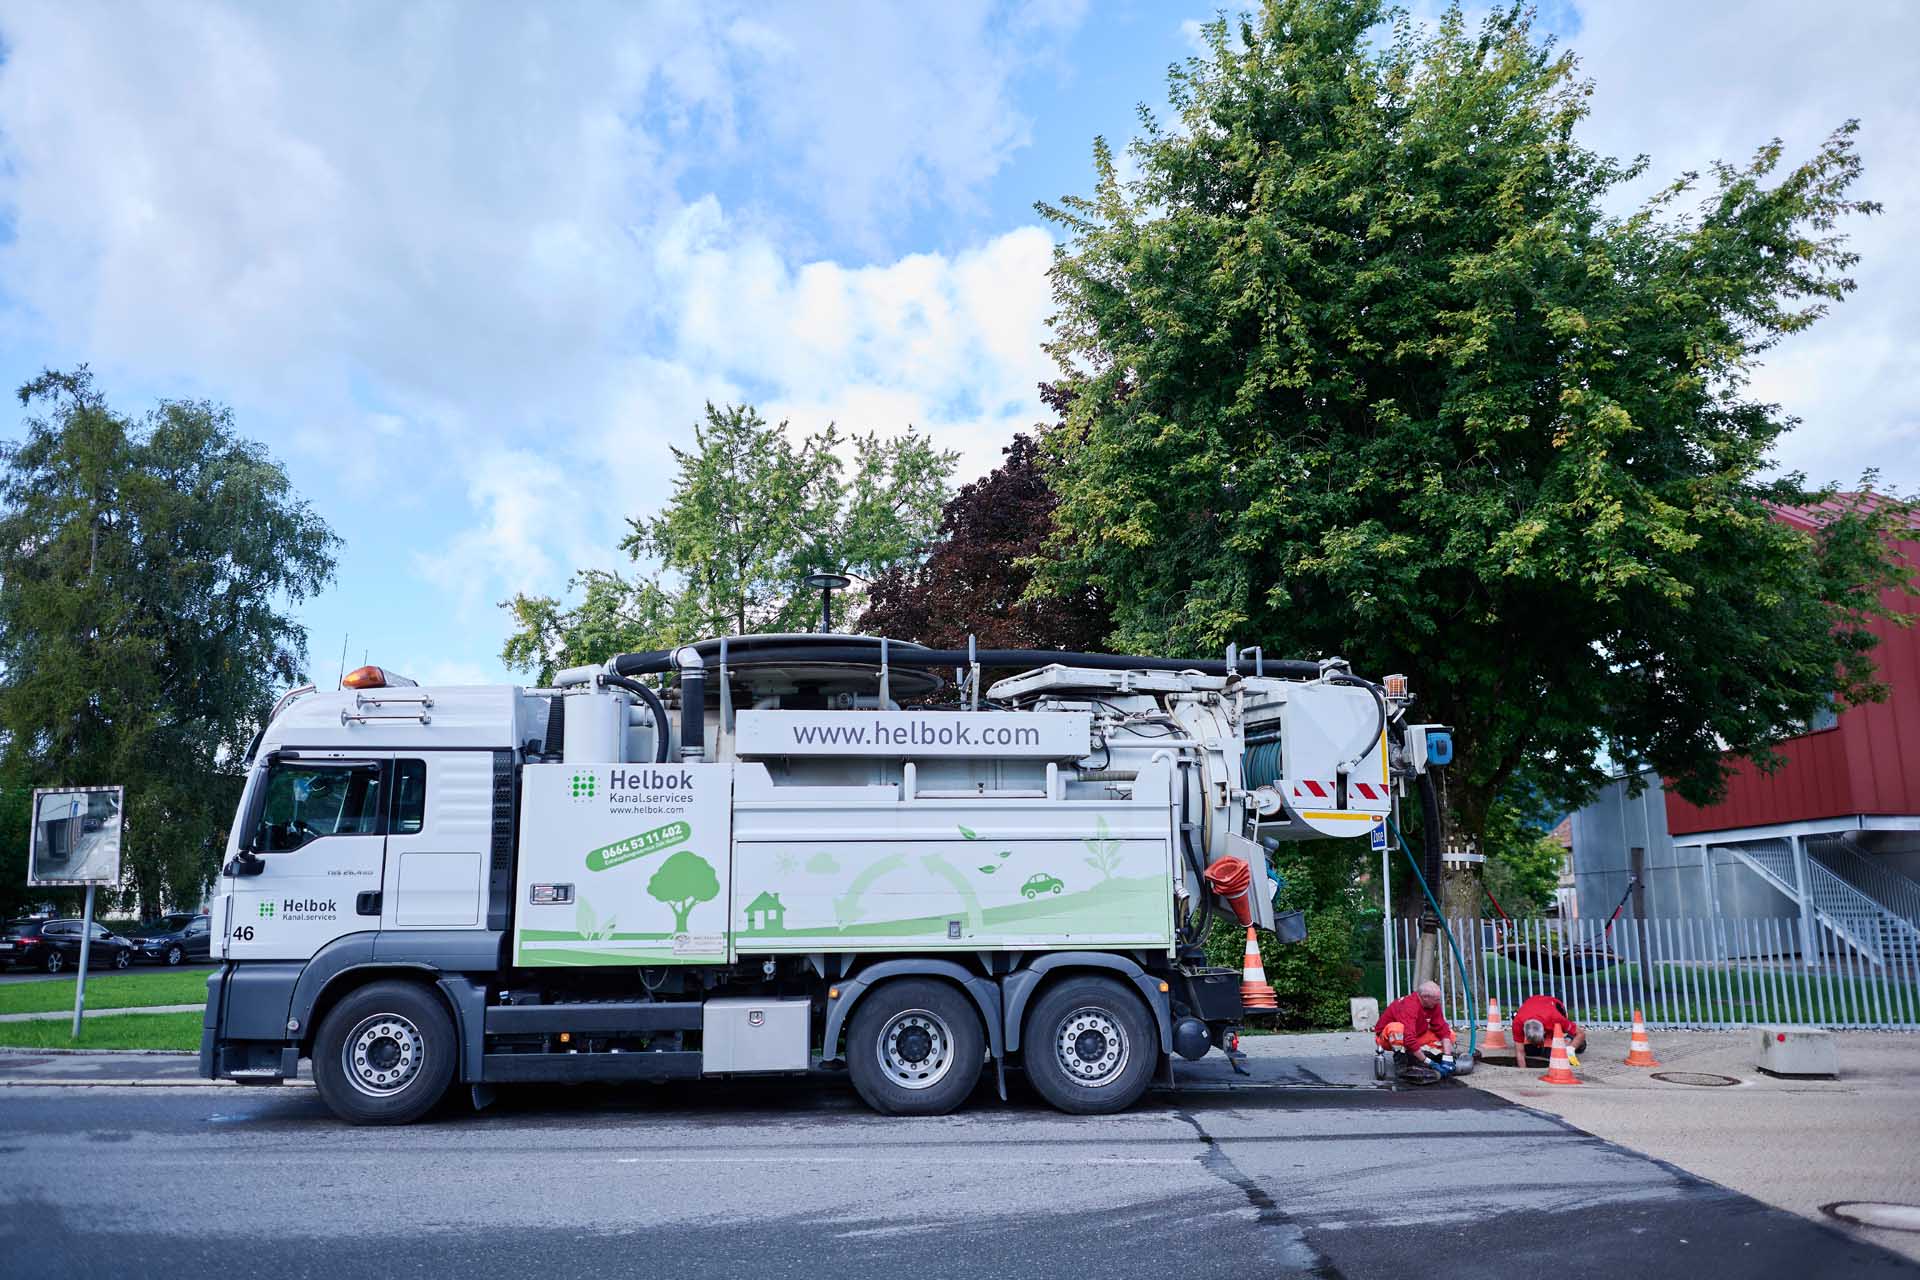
(783, 1180)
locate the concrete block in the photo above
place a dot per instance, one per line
(1366, 1012)
(1798, 1051)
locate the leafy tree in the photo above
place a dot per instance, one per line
(976, 578)
(683, 882)
(1524, 873)
(146, 569)
(1363, 365)
(752, 514)
(615, 614)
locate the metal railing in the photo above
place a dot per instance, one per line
(1856, 919)
(1679, 972)
(1893, 891)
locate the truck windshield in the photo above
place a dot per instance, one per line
(306, 801)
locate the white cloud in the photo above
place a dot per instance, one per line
(460, 241)
(1693, 84)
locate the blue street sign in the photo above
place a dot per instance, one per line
(1380, 835)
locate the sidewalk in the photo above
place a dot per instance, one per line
(1797, 1144)
(102, 1013)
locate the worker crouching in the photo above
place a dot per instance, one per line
(1414, 1029)
(1534, 1023)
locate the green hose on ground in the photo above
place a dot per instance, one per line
(1473, 1023)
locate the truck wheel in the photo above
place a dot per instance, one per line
(1090, 1046)
(915, 1048)
(384, 1054)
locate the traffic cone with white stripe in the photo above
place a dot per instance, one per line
(1495, 1041)
(1255, 995)
(1639, 1052)
(1558, 1072)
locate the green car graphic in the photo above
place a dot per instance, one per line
(1041, 883)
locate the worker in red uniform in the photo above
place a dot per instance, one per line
(1534, 1023)
(1413, 1022)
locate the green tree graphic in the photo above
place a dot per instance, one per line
(1103, 850)
(682, 882)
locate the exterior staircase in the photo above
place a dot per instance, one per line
(1867, 908)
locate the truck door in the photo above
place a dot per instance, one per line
(318, 828)
(438, 841)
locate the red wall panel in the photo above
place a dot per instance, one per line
(1868, 764)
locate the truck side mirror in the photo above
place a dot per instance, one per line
(245, 863)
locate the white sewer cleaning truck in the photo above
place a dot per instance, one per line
(771, 854)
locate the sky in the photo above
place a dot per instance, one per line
(470, 270)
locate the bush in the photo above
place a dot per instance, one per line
(1313, 979)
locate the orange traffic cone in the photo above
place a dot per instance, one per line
(1558, 1072)
(1639, 1052)
(1495, 1040)
(1255, 994)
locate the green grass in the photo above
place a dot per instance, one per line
(122, 1031)
(108, 991)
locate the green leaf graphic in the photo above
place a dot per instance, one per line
(1006, 853)
(967, 833)
(990, 867)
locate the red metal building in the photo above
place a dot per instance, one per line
(1865, 763)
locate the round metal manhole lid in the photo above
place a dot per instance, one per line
(1703, 1078)
(1886, 1215)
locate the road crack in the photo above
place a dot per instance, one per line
(1298, 1252)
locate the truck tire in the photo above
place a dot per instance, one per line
(384, 1054)
(1090, 1046)
(915, 1047)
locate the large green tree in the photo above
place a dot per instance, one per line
(146, 573)
(1365, 365)
(753, 511)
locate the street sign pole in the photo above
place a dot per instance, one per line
(1386, 902)
(86, 949)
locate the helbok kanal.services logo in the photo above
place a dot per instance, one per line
(584, 786)
(266, 909)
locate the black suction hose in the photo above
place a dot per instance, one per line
(655, 708)
(1430, 839)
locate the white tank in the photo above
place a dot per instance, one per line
(596, 728)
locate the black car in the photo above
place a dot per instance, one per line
(174, 939)
(54, 945)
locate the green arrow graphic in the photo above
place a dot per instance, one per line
(946, 871)
(846, 908)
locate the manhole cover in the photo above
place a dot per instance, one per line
(1875, 1213)
(1706, 1078)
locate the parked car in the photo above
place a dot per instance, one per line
(20, 944)
(54, 945)
(174, 939)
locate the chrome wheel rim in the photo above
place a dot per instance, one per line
(383, 1054)
(915, 1049)
(1092, 1047)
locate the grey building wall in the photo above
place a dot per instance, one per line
(1606, 832)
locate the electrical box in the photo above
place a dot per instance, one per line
(745, 1034)
(1798, 1051)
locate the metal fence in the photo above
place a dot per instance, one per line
(1687, 972)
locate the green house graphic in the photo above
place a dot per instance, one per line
(766, 912)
